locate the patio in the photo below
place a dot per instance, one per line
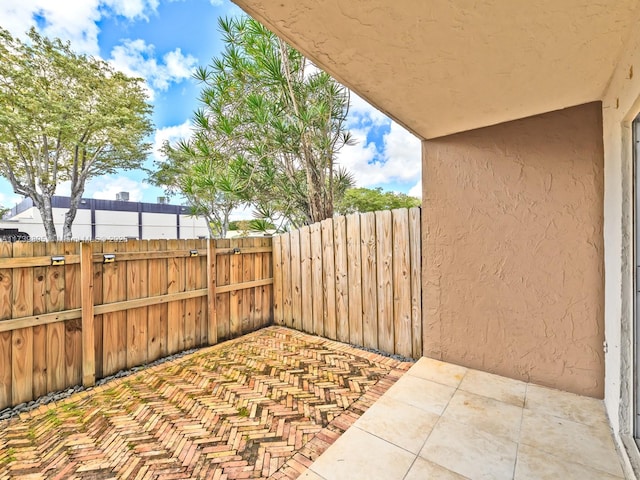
(444, 421)
(271, 404)
(264, 405)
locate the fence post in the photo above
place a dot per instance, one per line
(86, 291)
(212, 323)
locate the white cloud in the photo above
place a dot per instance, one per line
(132, 9)
(170, 134)
(77, 21)
(397, 161)
(72, 20)
(136, 58)
(416, 190)
(107, 186)
(216, 3)
(361, 112)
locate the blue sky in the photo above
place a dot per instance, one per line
(162, 41)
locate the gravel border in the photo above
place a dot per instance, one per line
(12, 412)
(395, 356)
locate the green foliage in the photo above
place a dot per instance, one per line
(276, 121)
(212, 182)
(9, 456)
(256, 224)
(243, 411)
(261, 225)
(65, 117)
(373, 199)
(52, 416)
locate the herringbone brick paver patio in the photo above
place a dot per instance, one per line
(261, 406)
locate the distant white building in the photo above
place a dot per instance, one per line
(105, 219)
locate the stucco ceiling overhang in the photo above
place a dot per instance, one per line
(440, 67)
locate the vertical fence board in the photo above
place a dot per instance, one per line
(182, 277)
(247, 294)
(287, 291)
(235, 297)
(256, 293)
(121, 317)
(133, 315)
(54, 302)
(40, 331)
(354, 267)
(369, 280)
(73, 328)
(296, 280)
(342, 278)
(108, 329)
(97, 319)
(88, 331)
(110, 321)
(211, 270)
(157, 320)
(329, 280)
(267, 290)
(6, 282)
(306, 282)
(22, 338)
(278, 312)
(384, 251)
(258, 316)
(317, 288)
(203, 282)
(223, 269)
(175, 309)
(194, 269)
(163, 311)
(136, 317)
(401, 282)
(190, 307)
(415, 255)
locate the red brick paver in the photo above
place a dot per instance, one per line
(262, 406)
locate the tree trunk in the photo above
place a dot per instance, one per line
(224, 225)
(46, 212)
(317, 210)
(211, 222)
(70, 216)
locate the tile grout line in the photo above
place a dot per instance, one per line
(524, 403)
(436, 424)
(415, 455)
(397, 369)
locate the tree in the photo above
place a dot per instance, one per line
(268, 108)
(65, 117)
(208, 180)
(373, 199)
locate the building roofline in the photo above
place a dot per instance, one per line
(59, 201)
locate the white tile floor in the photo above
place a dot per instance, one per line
(443, 421)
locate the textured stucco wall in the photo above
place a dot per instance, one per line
(513, 248)
(442, 66)
(620, 105)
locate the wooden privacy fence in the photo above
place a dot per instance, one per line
(354, 279)
(63, 325)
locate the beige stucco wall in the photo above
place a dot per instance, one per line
(513, 249)
(620, 105)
